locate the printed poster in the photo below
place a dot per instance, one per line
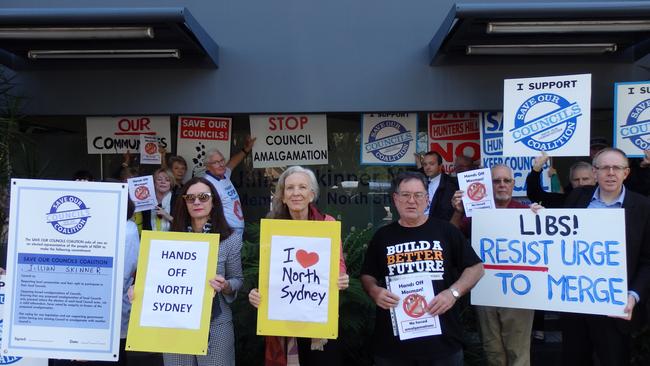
(172, 297)
(551, 114)
(149, 154)
(389, 138)
(142, 193)
(197, 135)
(410, 319)
(453, 134)
(65, 269)
(560, 259)
(632, 117)
(117, 135)
(477, 190)
(288, 139)
(299, 270)
(492, 154)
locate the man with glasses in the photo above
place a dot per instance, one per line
(608, 337)
(414, 245)
(218, 172)
(505, 332)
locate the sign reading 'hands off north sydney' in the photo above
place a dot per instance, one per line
(550, 114)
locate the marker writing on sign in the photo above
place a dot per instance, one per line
(563, 225)
(164, 289)
(300, 278)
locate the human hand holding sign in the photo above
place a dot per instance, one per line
(441, 303)
(220, 284)
(538, 163)
(384, 298)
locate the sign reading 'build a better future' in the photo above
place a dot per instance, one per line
(289, 140)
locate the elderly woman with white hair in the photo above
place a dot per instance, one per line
(294, 197)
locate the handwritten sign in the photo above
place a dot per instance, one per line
(453, 134)
(116, 135)
(142, 193)
(632, 117)
(289, 140)
(173, 299)
(197, 135)
(561, 260)
(388, 138)
(477, 190)
(299, 268)
(551, 114)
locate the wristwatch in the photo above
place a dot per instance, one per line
(455, 293)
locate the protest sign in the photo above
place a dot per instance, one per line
(172, 297)
(560, 260)
(299, 269)
(149, 154)
(409, 317)
(289, 140)
(492, 154)
(142, 193)
(65, 269)
(453, 134)
(551, 114)
(477, 190)
(197, 135)
(117, 135)
(388, 138)
(632, 117)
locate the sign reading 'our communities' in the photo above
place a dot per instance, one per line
(632, 114)
(117, 135)
(549, 114)
(561, 260)
(388, 138)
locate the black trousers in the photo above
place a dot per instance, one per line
(585, 336)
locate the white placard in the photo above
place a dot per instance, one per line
(388, 138)
(149, 154)
(560, 260)
(289, 139)
(453, 134)
(632, 117)
(477, 190)
(175, 284)
(551, 114)
(142, 193)
(116, 135)
(492, 154)
(409, 317)
(299, 278)
(65, 269)
(197, 135)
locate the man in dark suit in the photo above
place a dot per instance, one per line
(609, 337)
(441, 187)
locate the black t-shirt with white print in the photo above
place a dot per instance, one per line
(436, 247)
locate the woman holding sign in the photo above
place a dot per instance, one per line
(198, 209)
(159, 218)
(295, 193)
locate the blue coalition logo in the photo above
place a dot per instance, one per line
(636, 128)
(546, 122)
(389, 141)
(68, 215)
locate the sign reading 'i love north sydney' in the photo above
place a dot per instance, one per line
(549, 114)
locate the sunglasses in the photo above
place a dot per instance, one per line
(203, 197)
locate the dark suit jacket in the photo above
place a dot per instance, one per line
(637, 236)
(535, 192)
(441, 201)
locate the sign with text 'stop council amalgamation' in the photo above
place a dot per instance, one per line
(551, 114)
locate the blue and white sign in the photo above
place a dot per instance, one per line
(560, 260)
(389, 138)
(632, 117)
(65, 269)
(492, 153)
(551, 114)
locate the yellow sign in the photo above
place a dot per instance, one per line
(299, 270)
(173, 299)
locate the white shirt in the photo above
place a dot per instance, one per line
(434, 183)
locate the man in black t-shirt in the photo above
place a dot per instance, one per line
(416, 244)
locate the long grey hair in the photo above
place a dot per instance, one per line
(279, 210)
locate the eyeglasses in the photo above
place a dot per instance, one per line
(503, 180)
(218, 162)
(203, 197)
(608, 168)
(406, 196)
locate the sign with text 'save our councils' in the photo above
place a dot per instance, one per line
(172, 297)
(289, 139)
(560, 260)
(299, 269)
(65, 269)
(388, 138)
(197, 135)
(632, 117)
(551, 114)
(117, 135)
